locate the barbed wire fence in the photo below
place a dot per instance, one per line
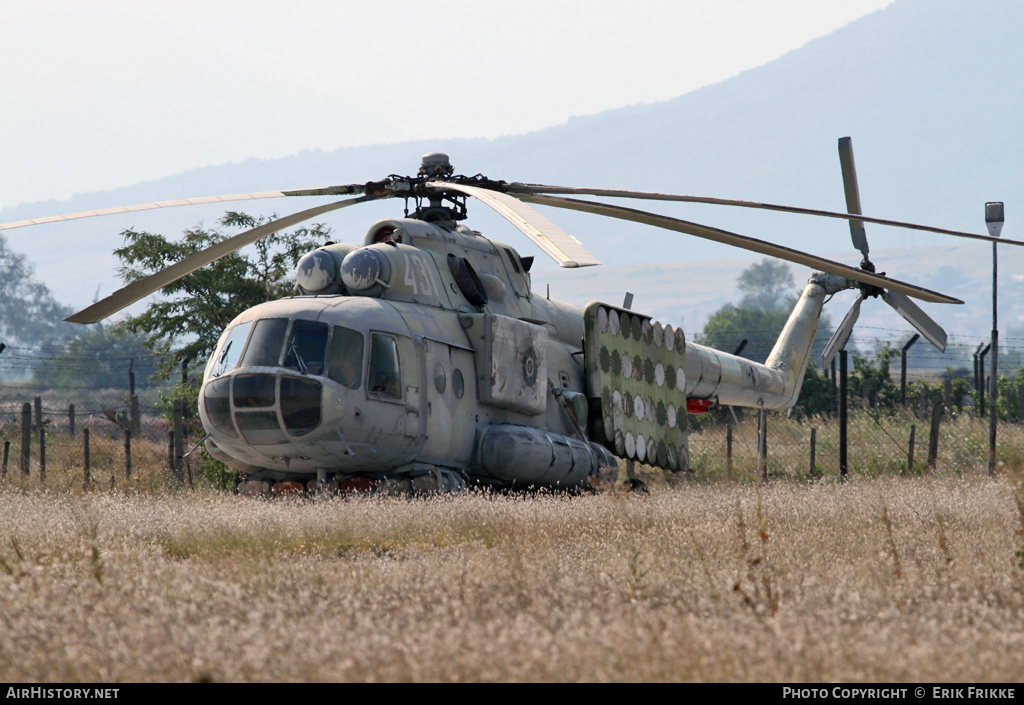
(123, 434)
(89, 432)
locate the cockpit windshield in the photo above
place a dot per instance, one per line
(264, 349)
(309, 347)
(306, 347)
(232, 350)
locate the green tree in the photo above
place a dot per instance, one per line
(766, 285)
(29, 314)
(768, 299)
(185, 323)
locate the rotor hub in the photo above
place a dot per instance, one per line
(436, 164)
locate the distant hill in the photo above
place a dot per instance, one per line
(930, 90)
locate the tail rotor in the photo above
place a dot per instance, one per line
(910, 311)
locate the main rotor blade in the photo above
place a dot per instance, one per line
(917, 318)
(144, 287)
(842, 335)
(747, 243)
(523, 190)
(852, 190)
(350, 189)
(562, 247)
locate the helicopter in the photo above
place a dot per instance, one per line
(421, 360)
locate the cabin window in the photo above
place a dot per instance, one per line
(265, 344)
(345, 357)
(306, 347)
(232, 350)
(383, 378)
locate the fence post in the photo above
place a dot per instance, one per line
(910, 450)
(85, 453)
(128, 454)
(179, 439)
(136, 419)
(39, 411)
(170, 451)
(832, 389)
(7, 450)
(814, 436)
(1020, 401)
(42, 453)
(842, 415)
(26, 437)
(728, 449)
(762, 444)
(933, 436)
(71, 419)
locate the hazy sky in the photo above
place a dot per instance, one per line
(96, 94)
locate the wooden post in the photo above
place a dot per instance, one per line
(136, 418)
(71, 419)
(832, 388)
(762, 444)
(39, 412)
(933, 436)
(7, 450)
(910, 449)
(728, 449)
(170, 451)
(85, 455)
(842, 415)
(814, 436)
(42, 453)
(128, 454)
(179, 439)
(26, 437)
(903, 368)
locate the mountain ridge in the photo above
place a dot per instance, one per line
(928, 90)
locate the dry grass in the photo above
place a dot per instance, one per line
(877, 579)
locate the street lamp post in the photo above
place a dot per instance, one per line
(994, 221)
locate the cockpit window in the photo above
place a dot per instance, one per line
(264, 349)
(228, 356)
(345, 357)
(306, 347)
(383, 379)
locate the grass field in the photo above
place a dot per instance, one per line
(875, 579)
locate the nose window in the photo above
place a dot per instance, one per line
(384, 379)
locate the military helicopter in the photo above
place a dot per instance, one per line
(420, 359)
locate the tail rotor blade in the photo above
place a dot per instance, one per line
(857, 232)
(917, 318)
(842, 335)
